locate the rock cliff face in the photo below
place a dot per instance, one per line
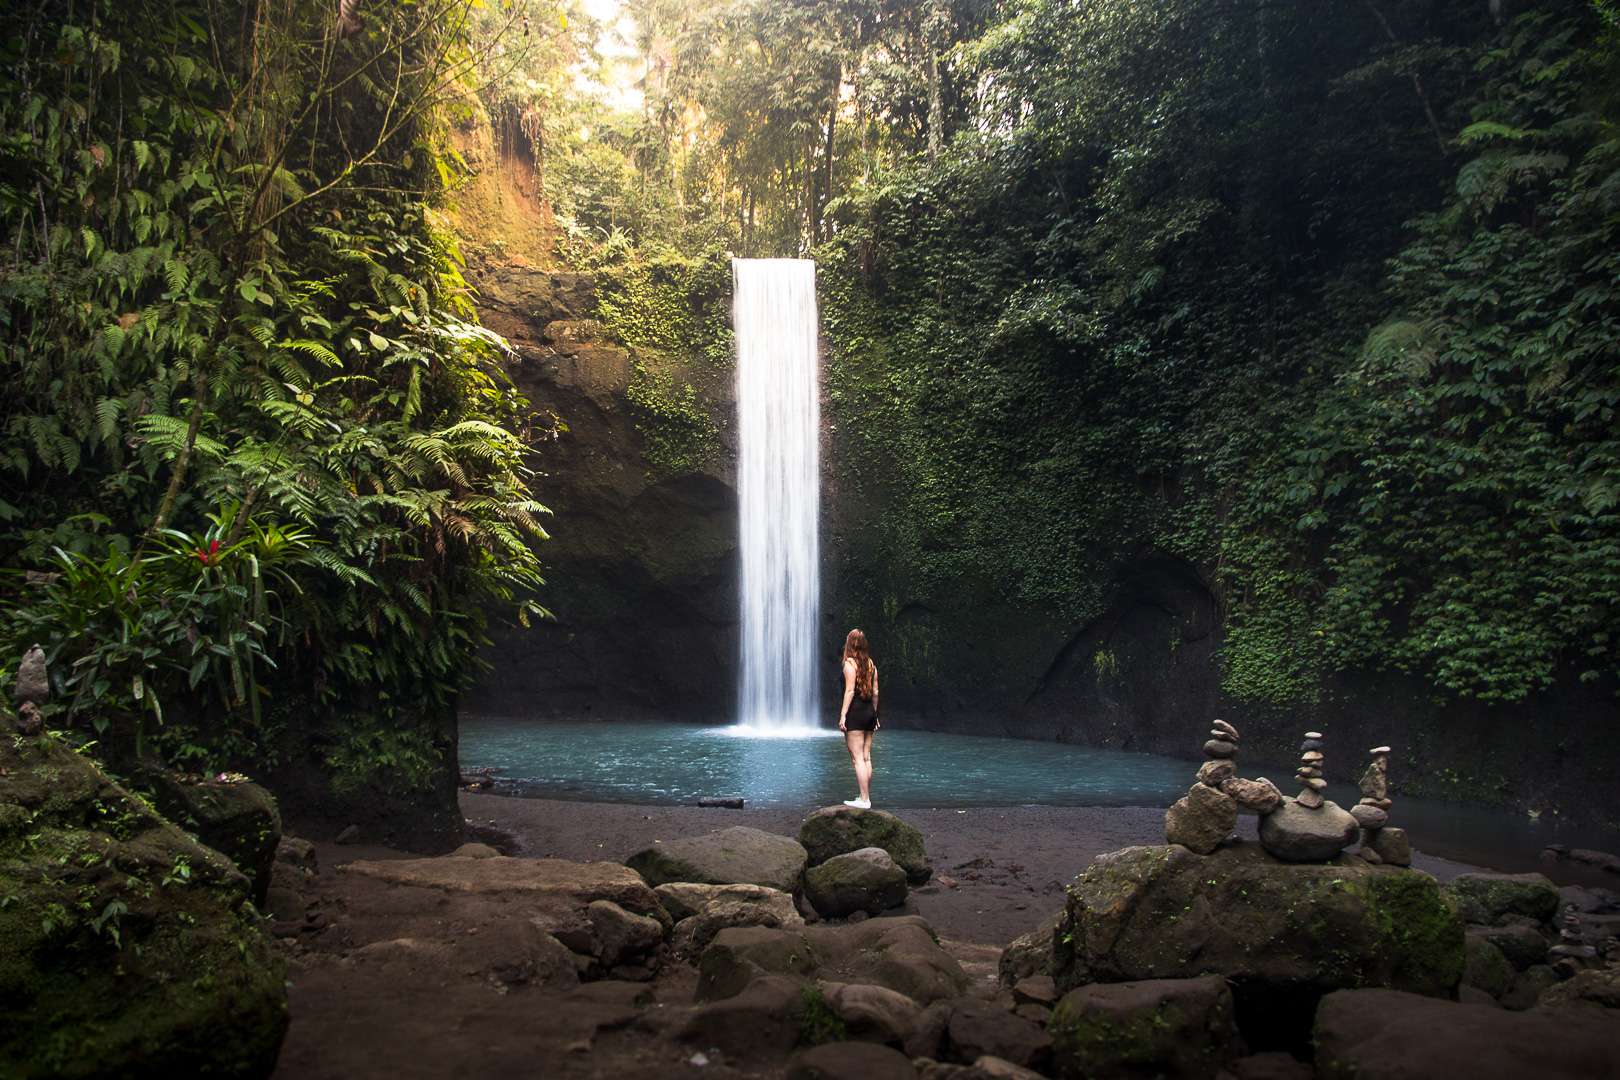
(642, 571)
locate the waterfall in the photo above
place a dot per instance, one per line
(778, 488)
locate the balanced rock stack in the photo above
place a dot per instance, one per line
(1206, 815)
(1380, 841)
(1308, 827)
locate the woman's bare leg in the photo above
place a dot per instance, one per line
(863, 767)
(852, 740)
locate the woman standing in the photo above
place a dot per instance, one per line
(858, 716)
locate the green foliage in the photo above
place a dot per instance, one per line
(818, 1023)
(223, 287)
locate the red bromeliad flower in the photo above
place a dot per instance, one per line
(210, 555)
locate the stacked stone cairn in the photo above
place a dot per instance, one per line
(1205, 817)
(33, 690)
(1380, 841)
(1308, 827)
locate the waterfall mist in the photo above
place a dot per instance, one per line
(778, 486)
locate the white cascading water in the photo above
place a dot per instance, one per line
(778, 488)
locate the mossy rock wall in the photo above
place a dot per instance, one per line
(127, 949)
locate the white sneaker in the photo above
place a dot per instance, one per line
(859, 804)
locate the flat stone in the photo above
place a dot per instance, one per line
(1312, 744)
(1315, 783)
(866, 880)
(1156, 1027)
(1379, 750)
(1214, 771)
(1220, 748)
(1217, 733)
(735, 856)
(1036, 989)
(1312, 756)
(1314, 735)
(1390, 1035)
(1252, 796)
(1298, 832)
(1310, 799)
(1369, 817)
(557, 879)
(1201, 819)
(850, 1061)
(1226, 729)
(1307, 772)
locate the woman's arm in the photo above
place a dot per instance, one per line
(849, 695)
(877, 720)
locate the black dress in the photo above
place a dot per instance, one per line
(862, 715)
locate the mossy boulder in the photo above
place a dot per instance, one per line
(127, 949)
(838, 830)
(735, 856)
(1290, 930)
(1486, 899)
(865, 880)
(238, 819)
(1157, 1027)
(1485, 968)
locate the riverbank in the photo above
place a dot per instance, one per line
(998, 871)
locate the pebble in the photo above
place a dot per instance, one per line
(1310, 799)
(1216, 733)
(1228, 729)
(1303, 773)
(1220, 748)
(1313, 735)
(1312, 756)
(1312, 744)
(1379, 750)
(1315, 783)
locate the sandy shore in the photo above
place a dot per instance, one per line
(1000, 871)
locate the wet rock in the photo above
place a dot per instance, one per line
(866, 880)
(1486, 968)
(1389, 1035)
(1310, 799)
(1597, 987)
(1158, 1027)
(705, 910)
(1485, 898)
(1391, 846)
(1216, 770)
(1297, 833)
(898, 953)
(622, 937)
(239, 820)
(103, 961)
(734, 856)
(850, 1061)
(475, 851)
(1522, 945)
(873, 1013)
(838, 830)
(1253, 796)
(1201, 819)
(977, 1028)
(1258, 921)
(1528, 986)
(1029, 954)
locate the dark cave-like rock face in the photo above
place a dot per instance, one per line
(641, 571)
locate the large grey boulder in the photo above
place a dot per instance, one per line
(1164, 913)
(866, 880)
(898, 953)
(126, 947)
(1488, 898)
(1299, 833)
(702, 911)
(735, 856)
(838, 830)
(1158, 1027)
(1388, 1035)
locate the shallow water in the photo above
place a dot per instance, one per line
(619, 761)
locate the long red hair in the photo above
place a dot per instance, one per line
(865, 671)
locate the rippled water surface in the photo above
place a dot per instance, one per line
(619, 761)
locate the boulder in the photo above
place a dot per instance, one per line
(838, 830)
(1528, 986)
(551, 884)
(873, 1013)
(764, 1023)
(1522, 945)
(1486, 968)
(622, 937)
(850, 1061)
(977, 1028)
(1253, 796)
(1597, 987)
(1390, 1035)
(1201, 819)
(1157, 1027)
(1298, 833)
(1164, 913)
(238, 819)
(1487, 898)
(126, 947)
(1035, 990)
(296, 853)
(927, 1039)
(1390, 845)
(1029, 954)
(898, 953)
(702, 911)
(735, 856)
(865, 880)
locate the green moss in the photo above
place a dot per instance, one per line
(1423, 926)
(817, 1022)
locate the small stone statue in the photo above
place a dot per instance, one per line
(33, 681)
